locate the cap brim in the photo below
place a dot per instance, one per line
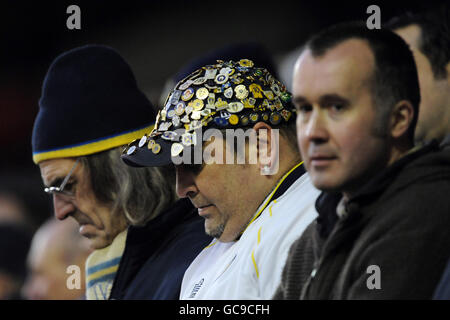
(144, 157)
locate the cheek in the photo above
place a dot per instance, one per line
(350, 143)
(425, 80)
(302, 141)
(84, 197)
(299, 133)
(425, 90)
(363, 154)
(210, 184)
(353, 142)
(222, 188)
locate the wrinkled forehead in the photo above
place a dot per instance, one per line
(54, 169)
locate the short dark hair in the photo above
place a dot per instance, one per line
(395, 75)
(434, 40)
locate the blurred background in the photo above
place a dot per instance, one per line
(158, 38)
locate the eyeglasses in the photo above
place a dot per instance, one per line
(60, 189)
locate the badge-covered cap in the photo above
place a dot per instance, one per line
(226, 95)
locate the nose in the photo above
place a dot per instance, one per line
(315, 128)
(62, 207)
(185, 183)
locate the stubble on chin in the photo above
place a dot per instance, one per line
(217, 231)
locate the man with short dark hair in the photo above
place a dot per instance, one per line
(428, 35)
(382, 230)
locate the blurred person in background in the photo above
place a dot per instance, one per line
(56, 246)
(23, 207)
(15, 241)
(142, 239)
(254, 51)
(428, 35)
(21, 199)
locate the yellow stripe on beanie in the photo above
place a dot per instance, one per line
(91, 147)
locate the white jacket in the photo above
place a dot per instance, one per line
(251, 267)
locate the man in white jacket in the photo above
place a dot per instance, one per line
(255, 199)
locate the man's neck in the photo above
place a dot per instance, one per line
(395, 155)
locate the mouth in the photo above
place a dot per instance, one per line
(86, 230)
(86, 226)
(203, 210)
(321, 160)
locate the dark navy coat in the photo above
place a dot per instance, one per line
(157, 255)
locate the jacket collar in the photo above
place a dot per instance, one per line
(289, 180)
(281, 187)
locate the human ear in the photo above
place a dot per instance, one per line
(268, 148)
(401, 118)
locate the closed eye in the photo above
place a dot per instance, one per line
(303, 108)
(70, 186)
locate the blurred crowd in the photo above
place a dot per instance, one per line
(35, 248)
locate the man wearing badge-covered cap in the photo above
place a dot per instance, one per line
(255, 199)
(143, 239)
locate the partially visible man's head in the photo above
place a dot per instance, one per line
(356, 93)
(90, 107)
(108, 195)
(56, 246)
(428, 35)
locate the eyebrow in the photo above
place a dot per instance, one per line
(193, 168)
(56, 182)
(299, 100)
(325, 99)
(333, 98)
(60, 179)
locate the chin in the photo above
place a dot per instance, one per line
(97, 243)
(214, 231)
(326, 185)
